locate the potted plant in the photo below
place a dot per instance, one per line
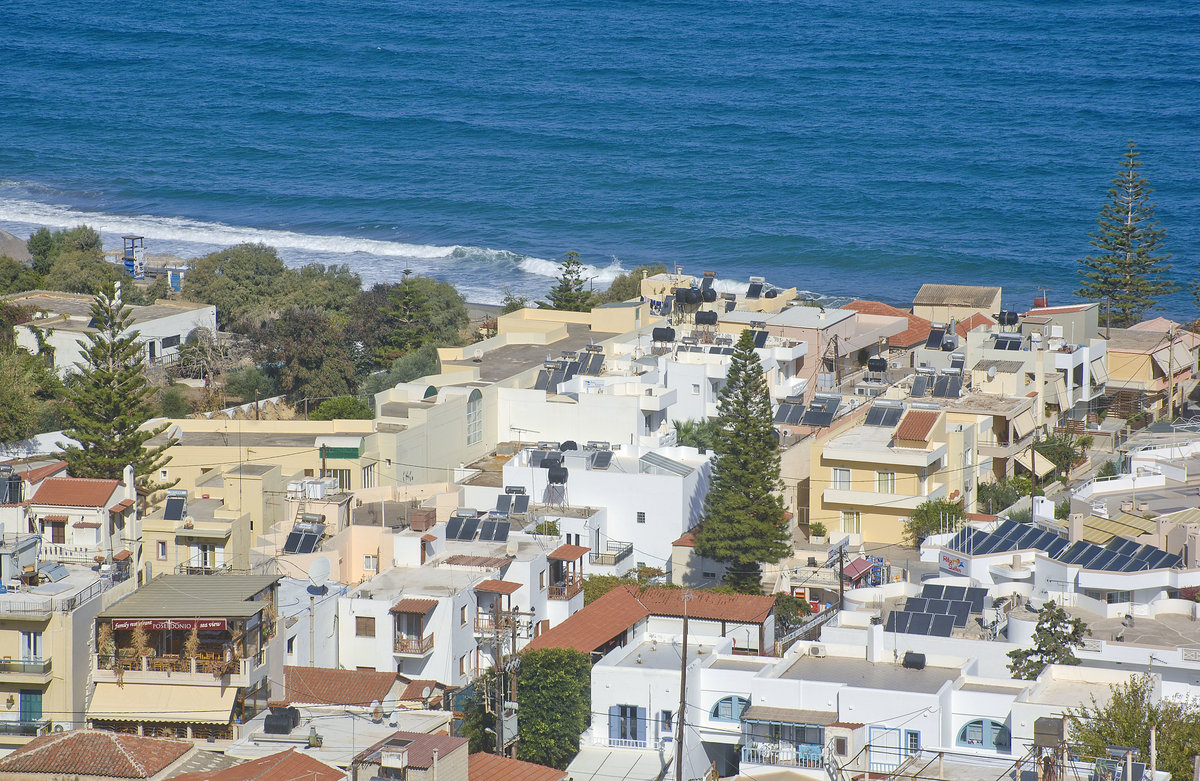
(816, 533)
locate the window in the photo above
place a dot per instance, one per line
(368, 476)
(542, 580)
(364, 626)
(291, 646)
(729, 708)
(342, 475)
(641, 517)
(371, 562)
(885, 482)
(985, 734)
(839, 746)
(851, 521)
(626, 722)
(31, 646)
(841, 479)
(665, 719)
(475, 417)
(464, 664)
(462, 615)
(695, 389)
(160, 548)
(912, 741)
(56, 529)
(170, 341)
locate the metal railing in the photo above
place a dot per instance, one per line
(565, 590)
(24, 729)
(409, 644)
(620, 743)
(15, 603)
(784, 754)
(25, 666)
(615, 552)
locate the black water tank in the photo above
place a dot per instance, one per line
(877, 364)
(914, 661)
(771, 294)
(570, 444)
(1007, 318)
(557, 475)
(663, 334)
(706, 318)
(277, 723)
(709, 295)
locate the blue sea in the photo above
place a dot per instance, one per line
(852, 149)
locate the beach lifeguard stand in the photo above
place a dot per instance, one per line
(134, 256)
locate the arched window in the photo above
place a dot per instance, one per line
(475, 417)
(729, 708)
(985, 734)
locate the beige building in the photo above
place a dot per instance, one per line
(944, 303)
(1145, 367)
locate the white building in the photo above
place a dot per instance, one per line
(64, 319)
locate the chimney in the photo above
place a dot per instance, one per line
(875, 644)
(127, 476)
(1075, 527)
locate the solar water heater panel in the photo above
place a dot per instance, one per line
(937, 606)
(943, 625)
(453, 527)
(486, 531)
(960, 610)
(468, 530)
(914, 605)
(502, 529)
(920, 385)
(920, 623)
(932, 590)
(902, 619)
(954, 593)
(503, 503)
(975, 597)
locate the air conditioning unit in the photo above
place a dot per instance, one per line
(817, 651)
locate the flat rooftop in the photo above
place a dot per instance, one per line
(661, 655)
(79, 306)
(862, 674)
(744, 664)
(987, 404)
(179, 596)
(511, 360)
(74, 580)
(1164, 631)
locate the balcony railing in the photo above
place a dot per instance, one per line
(24, 729)
(486, 624)
(26, 666)
(620, 742)
(784, 754)
(566, 590)
(204, 665)
(615, 552)
(410, 644)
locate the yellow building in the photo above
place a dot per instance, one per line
(1144, 367)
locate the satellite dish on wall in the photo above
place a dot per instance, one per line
(318, 574)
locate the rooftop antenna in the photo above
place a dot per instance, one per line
(318, 576)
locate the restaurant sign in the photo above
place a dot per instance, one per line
(168, 624)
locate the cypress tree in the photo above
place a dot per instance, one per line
(744, 520)
(109, 400)
(1128, 272)
(568, 293)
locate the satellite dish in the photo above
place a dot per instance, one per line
(318, 572)
(512, 548)
(427, 692)
(991, 372)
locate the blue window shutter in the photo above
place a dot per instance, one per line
(614, 722)
(641, 723)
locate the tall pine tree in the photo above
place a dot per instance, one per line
(744, 520)
(568, 293)
(1128, 273)
(110, 399)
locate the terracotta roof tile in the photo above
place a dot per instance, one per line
(963, 327)
(429, 538)
(290, 765)
(55, 518)
(416, 690)
(933, 294)
(917, 424)
(75, 492)
(414, 605)
(497, 586)
(1056, 310)
(421, 747)
(918, 329)
(490, 767)
(486, 562)
(91, 752)
(121, 506)
(595, 624)
(325, 686)
(568, 552)
(686, 540)
(32, 476)
(708, 605)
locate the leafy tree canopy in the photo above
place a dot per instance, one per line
(744, 520)
(1126, 718)
(554, 697)
(1129, 271)
(342, 408)
(249, 383)
(789, 612)
(16, 277)
(307, 356)
(512, 302)
(1055, 639)
(931, 517)
(628, 285)
(697, 433)
(46, 245)
(78, 271)
(568, 292)
(174, 403)
(109, 400)
(28, 389)
(406, 368)
(1063, 450)
(422, 311)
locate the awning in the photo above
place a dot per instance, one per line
(1055, 391)
(856, 569)
(121, 506)
(1023, 424)
(55, 518)
(1173, 360)
(568, 552)
(158, 702)
(204, 533)
(1099, 371)
(1044, 465)
(821, 718)
(418, 606)
(498, 586)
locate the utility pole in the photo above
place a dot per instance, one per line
(496, 638)
(841, 578)
(683, 663)
(312, 630)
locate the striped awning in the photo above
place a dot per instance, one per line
(157, 702)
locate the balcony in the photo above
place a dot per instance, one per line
(869, 499)
(487, 625)
(615, 552)
(565, 591)
(411, 645)
(784, 755)
(202, 669)
(71, 554)
(24, 729)
(25, 669)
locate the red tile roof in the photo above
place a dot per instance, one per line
(498, 586)
(596, 624)
(568, 552)
(55, 518)
(429, 538)
(490, 767)
(325, 686)
(421, 747)
(75, 492)
(40, 473)
(290, 765)
(1056, 310)
(687, 539)
(918, 327)
(90, 752)
(416, 690)
(963, 327)
(917, 424)
(413, 605)
(486, 562)
(121, 506)
(744, 608)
